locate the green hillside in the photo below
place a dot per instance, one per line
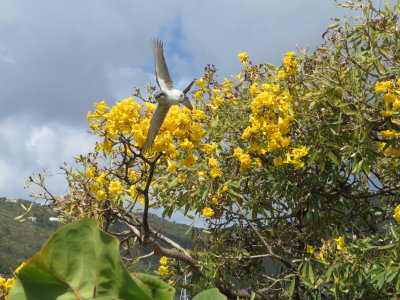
(21, 240)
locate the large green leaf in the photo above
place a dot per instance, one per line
(80, 261)
(213, 294)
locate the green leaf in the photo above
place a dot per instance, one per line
(333, 25)
(394, 232)
(380, 67)
(311, 274)
(388, 246)
(80, 261)
(292, 286)
(159, 289)
(213, 294)
(333, 157)
(329, 273)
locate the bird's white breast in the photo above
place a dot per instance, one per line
(174, 96)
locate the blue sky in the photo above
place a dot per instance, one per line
(58, 57)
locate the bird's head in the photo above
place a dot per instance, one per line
(160, 95)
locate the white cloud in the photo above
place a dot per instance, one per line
(29, 148)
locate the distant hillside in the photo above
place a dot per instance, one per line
(21, 240)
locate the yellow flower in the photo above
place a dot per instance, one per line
(389, 98)
(223, 190)
(186, 145)
(383, 87)
(101, 179)
(214, 200)
(258, 162)
(310, 249)
(227, 83)
(198, 94)
(150, 107)
(216, 172)
(163, 270)
(396, 215)
(386, 113)
(93, 187)
(132, 191)
(389, 133)
(133, 175)
(171, 166)
(244, 158)
(278, 161)
(189, 160)
(115, 187)
(107, 145)
(200, 82)
(91, 172)
(243, 56)
(208, 212)
(340, 244)
(396, 105)
(254, 89)
(281, 74)
(321, 255)
(208, 148)
(10, 282)
(198, 114)
(181, 178)
(212, 162)
(101, 195)
(164, 261)
(140, 199)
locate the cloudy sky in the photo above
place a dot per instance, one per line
(58, 57)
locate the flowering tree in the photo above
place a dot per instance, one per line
(295, 169)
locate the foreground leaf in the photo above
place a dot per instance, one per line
(80, 261)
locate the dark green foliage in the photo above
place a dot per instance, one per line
(20, 240)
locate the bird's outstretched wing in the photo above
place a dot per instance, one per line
(155, 124)
(162, 75)
(187, 89)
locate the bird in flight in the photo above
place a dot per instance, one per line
(167, 96)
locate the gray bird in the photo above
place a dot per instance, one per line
(167, 96)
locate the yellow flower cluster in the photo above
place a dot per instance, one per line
(340, 244)
(293, 157)
(396, 215)
(388, 150)
(391, 96)
(216, 197)
(163, 268)
(7, 283)
(328, 249)
(127, 118)
(5, 286)
(310, 249)
(290, 64)
(243, 57)
(244, 158)
(208, 212)
(269, 125)
(215, 171)
(104, 189)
